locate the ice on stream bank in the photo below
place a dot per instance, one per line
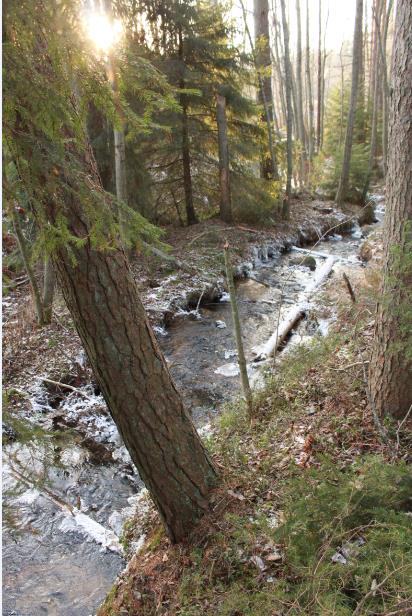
(91, 531)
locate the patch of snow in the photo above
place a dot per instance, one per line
(357, 232)
(92, 531)
(29, 497)
(220, 324)
(205, 430)
(225, 297)
(228, 370)
(73, 456)
(229, 354)
(160, 330)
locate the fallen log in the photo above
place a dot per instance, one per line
(295, 314)
(322, 255)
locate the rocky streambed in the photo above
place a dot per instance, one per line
(67, 497)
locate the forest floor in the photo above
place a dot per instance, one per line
(313, 512)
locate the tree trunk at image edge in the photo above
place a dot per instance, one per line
(356, 62)
(390, 373)
(224, 172)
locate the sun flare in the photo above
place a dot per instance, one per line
(102, 31)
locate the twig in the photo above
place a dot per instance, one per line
(350, 288)
(400, 427)
(355, 363)
(64, 385)
(373, 591)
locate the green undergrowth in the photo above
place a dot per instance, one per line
(300, 522)
(360, 513)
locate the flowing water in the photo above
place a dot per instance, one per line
(64, 562)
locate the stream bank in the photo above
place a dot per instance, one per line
(91, 470)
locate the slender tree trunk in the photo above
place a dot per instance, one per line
(288, 87)
(278, 66)
(375, 104)
(319, 109)
(21, 241)
(357, 50)
(238, 333)
(119, 149)
(299, 94)
(390, 374)
(49, 283)
(309, 87)
(274, 173)
(385, 87)
(324, 55)
(187, 174)
(342, 96)
(263, 64)
(224, 172)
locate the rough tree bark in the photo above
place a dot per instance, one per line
(224, 171)
(288, 87)
(103, 300)
(356, 61)
(390, 372)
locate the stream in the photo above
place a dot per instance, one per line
(64, 562)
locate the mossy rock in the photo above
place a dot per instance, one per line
(367, 215)
(307, 261)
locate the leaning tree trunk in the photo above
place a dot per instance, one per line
(288, 87)
(356, 61)
(390, 374)
(103, 300)
(224, 173)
